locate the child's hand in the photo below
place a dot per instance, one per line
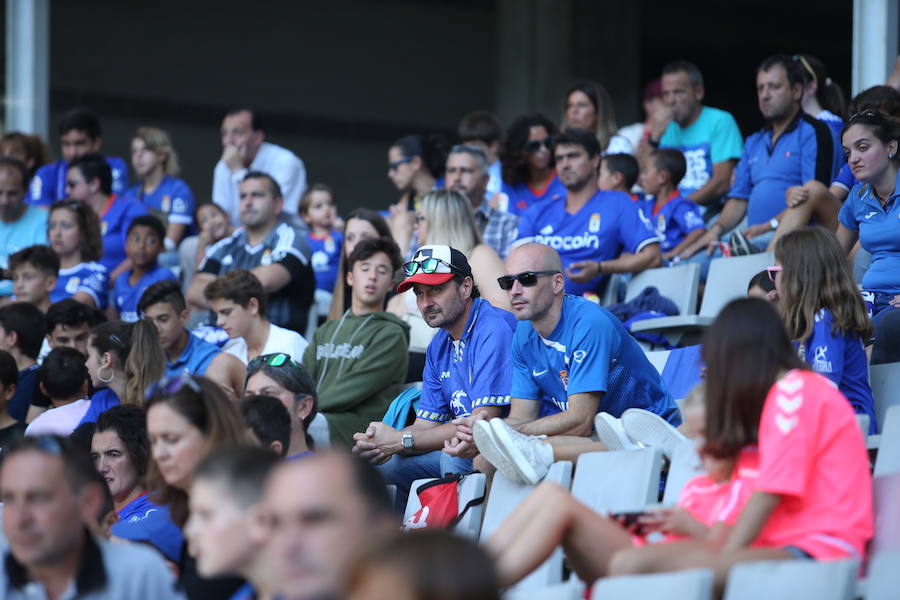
(676, 520)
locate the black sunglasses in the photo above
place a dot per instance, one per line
(535, 145)
(867, 114)
(527, 279)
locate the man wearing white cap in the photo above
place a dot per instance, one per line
(467, 371)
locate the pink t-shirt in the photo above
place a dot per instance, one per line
(811, 453)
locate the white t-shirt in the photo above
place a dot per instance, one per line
(280, 340)
(59, 421)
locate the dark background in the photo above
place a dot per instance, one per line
(338, 81)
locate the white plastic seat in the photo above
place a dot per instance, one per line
(883, 582)
(888, 458)
(618, 481)
(571, 589)
(685, 465)
(471, 487)
(696, 584)
(792, 579)
(885, 382)
(886, 500)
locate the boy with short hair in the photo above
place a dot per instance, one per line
(619, 173)
(676, 219)
(164, 304)
(143, 244)
(238, 300)
(10, 429)
(319, 210)
(22, 329)
(69, 324)
(64, 379)
(34, 271)
(269, 420)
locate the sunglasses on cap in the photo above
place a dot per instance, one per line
(535, 145)
(278, 359)
(526, 279)
(427, 265)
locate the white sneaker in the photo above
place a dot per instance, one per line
(609, 430)
(489, 448)
(530, 456)
(651, 430)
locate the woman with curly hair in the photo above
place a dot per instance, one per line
(527, 162)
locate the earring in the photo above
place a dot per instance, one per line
(112, 374)
(891, 156)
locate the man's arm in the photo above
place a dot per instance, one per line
(647, 257)
(578, 420)
(688, 241)
(718, 184)
(732, 213)
(273, 277)
(195, 297)
(228, 371)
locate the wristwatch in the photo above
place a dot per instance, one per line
(773, 223)
(408, 440)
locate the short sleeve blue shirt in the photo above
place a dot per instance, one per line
(589, 351)
(326, 257)
(194, 359)
(102, 400)
(804, 151)
(469, 373)
(49, 183)
(676, 218)
(879, 234)
(841, 358)
(172, 200)
(127, 297)
(607, 225)
(91, 278)
(520, 197)
(114, 224)
(845, 178)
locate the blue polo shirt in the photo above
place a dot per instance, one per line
(589, 351)
(49, 183)
(91, 278)
(172, 201)
(672, 221)
(326, 258)
(114, 222)
(194, 359)
(102, 400)
(804, 151)
(841, 358)
(474, 371)
(607, 225)
(521, 197)
(879, 234)
(126, 297)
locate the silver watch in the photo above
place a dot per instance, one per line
(773, 224)
(408, 440)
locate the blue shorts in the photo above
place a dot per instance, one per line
(798, 553)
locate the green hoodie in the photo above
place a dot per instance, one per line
(359, 366)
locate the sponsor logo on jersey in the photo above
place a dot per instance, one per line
(569, 242)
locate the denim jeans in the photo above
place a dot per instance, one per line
(403, 470)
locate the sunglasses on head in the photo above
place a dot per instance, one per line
(866, 114)
(392, 166)
(773, 270)
(526, 279)
(427, 265)
(170, 386)
(535, 145)
(277, 359)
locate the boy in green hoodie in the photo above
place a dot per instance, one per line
(359, 361)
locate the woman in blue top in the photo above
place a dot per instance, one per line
(527, 163)
(824, 312)
(74, 235)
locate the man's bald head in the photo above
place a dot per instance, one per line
(538, 257)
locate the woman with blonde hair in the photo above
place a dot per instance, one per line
(168, 198)
(824, 312)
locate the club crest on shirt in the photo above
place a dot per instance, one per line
(661, 223)
(594, 223)
(329, 245)
(166, 203)
(564, 376)
(266, 258)
(103, 227)
(72, 285)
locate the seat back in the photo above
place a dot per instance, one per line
(618, 481)
(886, 500)
(696, 584)
(883, 582)
(885, 382)
(678, 284)
(791, 579)
(888, 458)
(728, 279)
(471, 487)
(685, 465)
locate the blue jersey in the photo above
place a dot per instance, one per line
(49, 183)
(326, 257)
(713, 138)
(194, 359)
(91, 278)
(469, 373)
(841, 358)
(607, 225)
(879, 234)
(845, 178)
(589, 351)
(804, 151)
(672, 221)
(114, 222)
(144, 520)
(520, 197)
(28, 230)
(834, 122)
(126, 297)
(171, 202)
(102, 400)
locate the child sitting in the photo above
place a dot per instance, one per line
(143, 243)
(619, 173)
(34, 273)
(319, 211)
(64, 378)
(9, 376)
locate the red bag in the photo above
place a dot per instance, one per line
(440, 505)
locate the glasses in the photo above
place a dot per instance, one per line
(428, 265)
(278, 359)
(393, 166)
(527, 279)
(866, 114)
(773, 270)
(806, 66)
(535, 145)
(170, 386)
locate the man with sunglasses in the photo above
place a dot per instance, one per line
(467, 372)
(574, 365)
(595, 232)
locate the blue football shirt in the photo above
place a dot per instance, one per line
(49, 183)
(469, 373)
(114, 222)
(589, 351)
(607, 225)
(92, 278)
(126, 297)
(172, 201)
(102, 400)
(326, 258)
(672, 221)
(845, 178)
(520, 197)
(194, 359)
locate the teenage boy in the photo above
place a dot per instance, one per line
(164, 304)
(9, 377)
(34, 273)
(359, 361)
(143, 243)
(64, 379)
(22, 328)
(677, 220)
(69, 324)
(239, 303)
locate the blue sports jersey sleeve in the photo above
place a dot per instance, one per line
(743, 185)
(635, 230)
(590, 351)
(119, 174)
(688, 217)
(182, 204)
(849, 211)
(43, 184)
(845, 178)
(96, 285)
(432, 406)
(523, 383)
(490, 379)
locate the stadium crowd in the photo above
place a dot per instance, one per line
(278, 375)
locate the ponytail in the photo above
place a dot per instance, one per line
(145, 364)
